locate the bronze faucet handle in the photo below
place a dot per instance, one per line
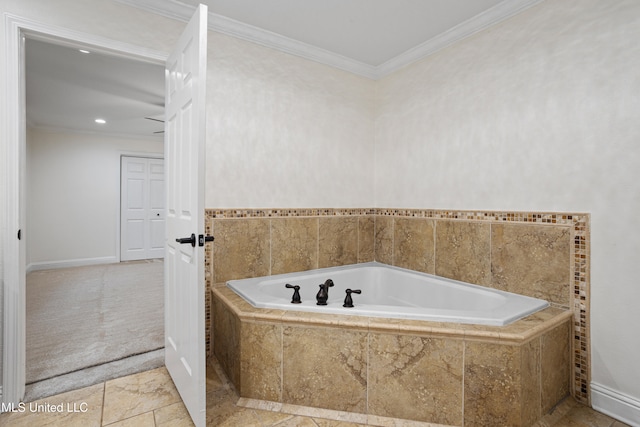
(296, 293)
(348, 301)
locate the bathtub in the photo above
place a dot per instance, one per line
(389, 292)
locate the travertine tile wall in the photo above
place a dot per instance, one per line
(256, 242)
(529, 259)
(545, 255)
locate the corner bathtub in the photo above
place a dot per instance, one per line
(390, 292)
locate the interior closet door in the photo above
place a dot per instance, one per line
(142, 223)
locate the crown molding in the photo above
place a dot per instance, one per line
(169, 8)
(500, 12)
(276, 41)
(175, 9)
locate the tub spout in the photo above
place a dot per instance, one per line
(323, 294)
(328, 284)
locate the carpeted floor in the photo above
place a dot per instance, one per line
(85, 317)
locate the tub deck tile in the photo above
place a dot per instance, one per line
(324, 319)
(325, 368)
(378, 324)
(417, 378)
(242, 308)
(492, 391)
(261, 361)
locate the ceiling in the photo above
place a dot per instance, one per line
(369, 31)
(67, 89)
(368, 37)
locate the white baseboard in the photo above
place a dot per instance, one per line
(35, 266)
(615, 404)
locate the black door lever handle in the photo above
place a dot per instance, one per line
(191, 240)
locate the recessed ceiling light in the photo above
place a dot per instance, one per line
(83, 51)
(100, 121)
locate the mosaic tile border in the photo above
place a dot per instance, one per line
(208, 284)
(286, 213)
(496, 216)
(580, 269)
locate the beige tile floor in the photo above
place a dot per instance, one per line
(150, 399)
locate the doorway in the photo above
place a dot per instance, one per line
(13, 163)
(73, 178)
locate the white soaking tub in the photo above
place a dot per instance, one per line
(390, 292)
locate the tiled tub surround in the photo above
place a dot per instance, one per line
(545, 255)
(373, 370)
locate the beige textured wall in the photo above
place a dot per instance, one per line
(285, 132)
(73, 181)
(540, 112)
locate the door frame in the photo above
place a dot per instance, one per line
(13, 161)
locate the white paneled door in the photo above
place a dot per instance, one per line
(142, 208)
(184, 257)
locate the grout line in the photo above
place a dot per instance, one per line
(375, 240)
(122, 421)
(281, 362)
(358, 239)
(491, 255)
(366, 390)
(270, 245)
(464, 356)
(104, 396)
(393, 241)
(540, 372)
(435, 246)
